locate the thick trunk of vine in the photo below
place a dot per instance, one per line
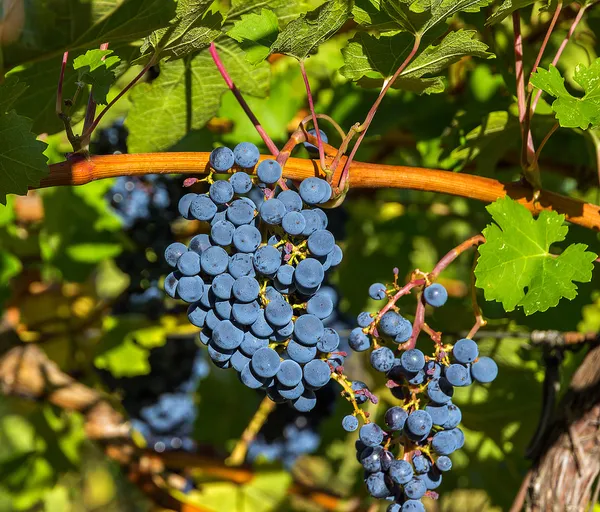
(563, 477)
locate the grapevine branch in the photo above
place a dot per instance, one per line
(364, 175)
(311, 107)
(238, 96)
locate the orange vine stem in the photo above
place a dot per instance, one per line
(364, 175)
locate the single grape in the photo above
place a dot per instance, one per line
(419, 422)
(241, 264)
(246, 239)
(432, 479)
(413, 506)
(458, 375)
(203, 208)
(390, 323)
(214, 261)
(421, 464)
(484, 370)
(350, 423)
(305, 402)
(245, 289)
(329, 341)
(227, 336)
(250, 344)
(196, 315)
(289, 373)
(221, 159)
(240, 212)
(245, 313)
(376, 485)
(267, 260)
(358, 340)
(314, 190)
(291, 200)
(413, 360)
(438, 413)
(465, 351)
(241, 182)
(239, 360)
(443, 463)
(261, 327)
(190, 288)
(246, 154)
(401, 472)
(382, 359)
(405, 331)
(316, 374)
(279, 313)
(435, 295)
(221, 286)
(313, 222)
(173, 252)
(184, 205)
(444, 442)
(285, 274)
(365, 319)
(293, 223)
(189, 264)
(249, 379)
(221, 192)
(293, 392)
(440, 390)
(200, 243)
(395, 418)
(269, 171)
(272, 211)
(371, 434)
(308, 330)
(370, 458)
(415, 489)
(221, 233)
(377, 291)
(321, 242)
(265, 362)
(454, 417)
(309, 273)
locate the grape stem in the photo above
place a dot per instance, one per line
(238, 96)
(365, 126)
(59, 89)
(480, 321)
(90, 111)
(238, 454)
(348, 394)
(79, 171)
(311, 107)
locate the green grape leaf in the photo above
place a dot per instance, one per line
(371, 57)
(506, 8)
(193, 29)
(95, 68)
(186, 94)
(516, 257)
(54, 25)
(22, 160)
(256, 32)
(302, 36)
(10, 91)
(572, 111)
(285, 10)
(368, 14)
(420, 16)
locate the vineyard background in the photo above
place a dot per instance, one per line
(85, 326)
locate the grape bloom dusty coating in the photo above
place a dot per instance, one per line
(404, 461)
(254, 283)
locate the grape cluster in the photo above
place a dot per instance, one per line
(253, 283)
(405, 460)
(161, 404)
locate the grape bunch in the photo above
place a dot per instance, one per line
(405, 460)
(253, 283)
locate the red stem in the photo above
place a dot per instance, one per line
(528, 150)
(61, 78)
(238, 95)
(372, 112)
(543, 143)
(90, 111)
(89, 131)
(561, 48)
(547, 36)
(311, 107)
(455, 253)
